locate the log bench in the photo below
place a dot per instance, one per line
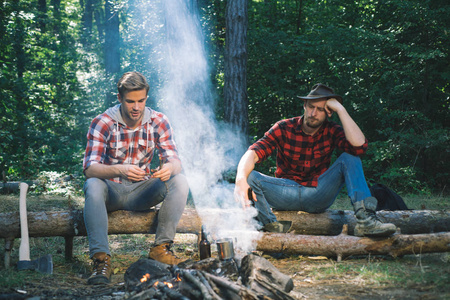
(70, 223)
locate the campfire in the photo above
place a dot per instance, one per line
(252, 277)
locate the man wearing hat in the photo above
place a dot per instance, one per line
(304, 179)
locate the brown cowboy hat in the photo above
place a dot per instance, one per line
(320, 91)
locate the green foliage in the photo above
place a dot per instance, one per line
(389, 59)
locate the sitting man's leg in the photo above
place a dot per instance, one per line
(348, 169)
(285, 194)
(96, 221)
(271, 193)
(173, 195)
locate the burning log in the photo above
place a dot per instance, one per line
(344, 245)
(149, 279)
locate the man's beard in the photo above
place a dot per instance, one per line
(316, 123)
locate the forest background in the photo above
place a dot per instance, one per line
(60, 61)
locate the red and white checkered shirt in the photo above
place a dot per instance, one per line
(301, 157)
(110, 141)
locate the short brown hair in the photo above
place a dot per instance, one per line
(132, 81)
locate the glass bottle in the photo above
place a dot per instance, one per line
(204, 246)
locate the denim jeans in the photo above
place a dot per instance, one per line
(286, 194)
(102, 196)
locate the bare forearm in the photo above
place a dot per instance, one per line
(246, 165)
(352, 131)
(102, 171)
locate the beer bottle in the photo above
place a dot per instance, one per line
(204, 247)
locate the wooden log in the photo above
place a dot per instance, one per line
(258, 274)
(331, 222)
(12, 186)
(344, 245)
(71, 223)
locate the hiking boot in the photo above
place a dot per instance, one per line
(368, 223)
(277, 227)
(102, 269)
(162, 253)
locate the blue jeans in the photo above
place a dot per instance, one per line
(286, 194)
(103, 196)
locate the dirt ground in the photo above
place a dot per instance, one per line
(313, 277)
(422, 276)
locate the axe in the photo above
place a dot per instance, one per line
(43, 264)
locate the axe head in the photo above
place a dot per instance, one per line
(43, 264)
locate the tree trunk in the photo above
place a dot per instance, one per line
(344, 245)
(235, 89)
(112, 53)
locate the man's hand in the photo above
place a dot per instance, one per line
(241, 193)
(131, 172)
(332, 105)
(164, 173)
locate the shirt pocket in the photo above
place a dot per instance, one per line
(118, 151)
(322, 151)
(297, 163)
(145, 148)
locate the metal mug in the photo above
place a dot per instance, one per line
(225, 249)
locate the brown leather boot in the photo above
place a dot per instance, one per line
(162, 253)
(102, 269)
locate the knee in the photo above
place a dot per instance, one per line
(253, 178)
(95, 188)
(179, 183)
(349, 158)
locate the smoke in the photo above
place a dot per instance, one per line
(207, 147)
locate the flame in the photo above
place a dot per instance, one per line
(178, 277)
(168, 284)
(145, 277)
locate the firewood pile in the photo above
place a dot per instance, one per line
(252, 277)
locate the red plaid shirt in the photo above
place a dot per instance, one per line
(301, 157)
(111, 142)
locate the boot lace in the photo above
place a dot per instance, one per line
(101, 267)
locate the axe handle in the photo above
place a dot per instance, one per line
(24, 249)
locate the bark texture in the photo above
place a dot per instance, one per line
(235, 88)
(71, 223)
(344, 245)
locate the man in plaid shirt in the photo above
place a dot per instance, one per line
(304, 179)
(120, 147)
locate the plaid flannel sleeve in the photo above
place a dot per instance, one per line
(343, 144)
(97, 137)
(165, 142)
(265, 146)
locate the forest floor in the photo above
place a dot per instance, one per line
(419, 276)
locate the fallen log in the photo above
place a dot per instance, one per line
(71, 223)
(13, 186)
(344, 245)
(331, 222)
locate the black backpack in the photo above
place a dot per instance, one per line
(387, 198)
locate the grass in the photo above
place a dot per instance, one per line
(430, 272)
